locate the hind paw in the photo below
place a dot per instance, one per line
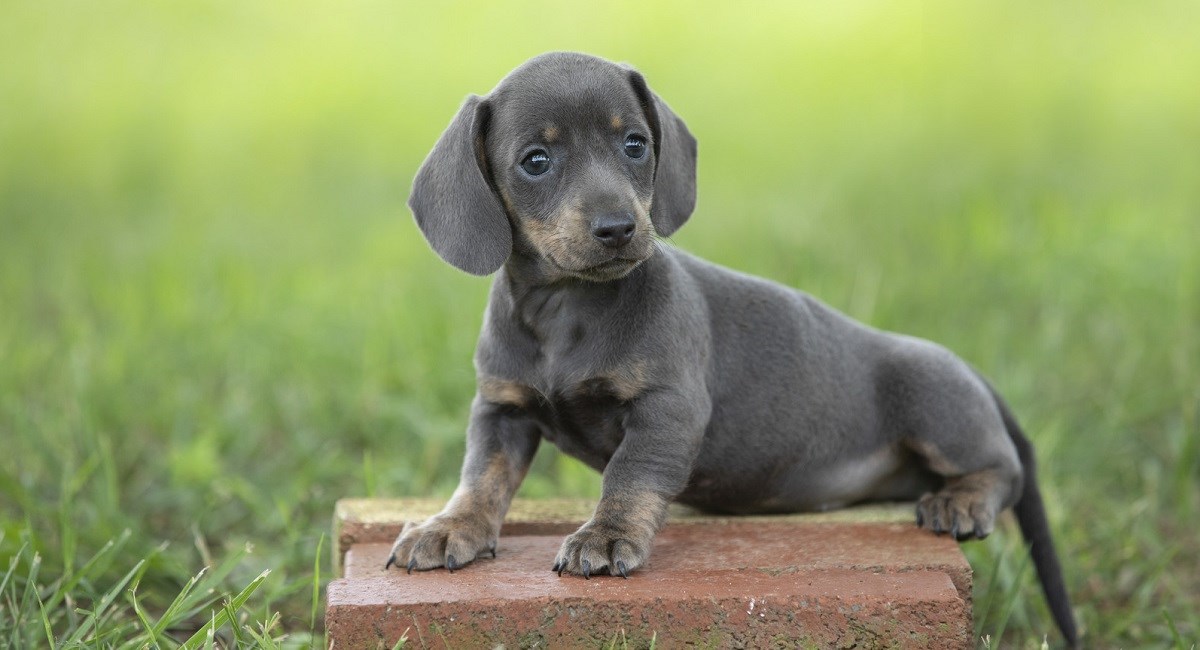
(962, 514)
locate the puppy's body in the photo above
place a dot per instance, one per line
(820, 419)
(676, 378)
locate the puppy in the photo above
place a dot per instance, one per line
(677, 379)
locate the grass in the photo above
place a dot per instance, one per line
(216, 316)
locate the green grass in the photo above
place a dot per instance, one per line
(217, 317)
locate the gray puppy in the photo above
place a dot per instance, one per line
(678, 379)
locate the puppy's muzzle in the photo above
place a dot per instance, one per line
(614, 229)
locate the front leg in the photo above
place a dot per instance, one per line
(501, 442)
(650, 467)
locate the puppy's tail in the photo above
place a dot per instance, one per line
(1031, 515)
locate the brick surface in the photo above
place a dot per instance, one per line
(858, 578)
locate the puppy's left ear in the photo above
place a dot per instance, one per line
(674, 160)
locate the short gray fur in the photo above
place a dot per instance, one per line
(678, 379)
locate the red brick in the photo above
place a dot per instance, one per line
(722, 582)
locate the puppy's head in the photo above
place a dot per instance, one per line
(570, 160)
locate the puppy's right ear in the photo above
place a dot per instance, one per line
(454, 199)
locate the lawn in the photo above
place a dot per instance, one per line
(217, 316)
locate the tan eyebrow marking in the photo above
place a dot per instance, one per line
(617, 123)
(550, 133)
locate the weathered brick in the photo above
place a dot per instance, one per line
(857, 578)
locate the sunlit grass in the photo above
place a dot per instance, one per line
(216, 316)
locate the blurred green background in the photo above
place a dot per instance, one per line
(217, 316)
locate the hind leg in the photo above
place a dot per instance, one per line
(967, 506)
(953, 424)
(981, 474)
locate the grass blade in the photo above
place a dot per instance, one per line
(221, 617)
(210, 636)
(985, 609)
(88, 570)
(205, 591)
(1013, 593)
(45, 622)
(27, 595)
(12, 565)
(98, 613)
(171, 613)
(1175, 636)
(316, 592)
(143, 617)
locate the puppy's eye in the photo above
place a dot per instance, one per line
(536, 163)
(635, 146)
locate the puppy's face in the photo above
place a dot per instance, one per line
(572, 157)
(571, 162)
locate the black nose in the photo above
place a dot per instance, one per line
(613, 229)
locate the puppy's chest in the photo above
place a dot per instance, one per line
(578, 396)
(583, 418)
(564, 355)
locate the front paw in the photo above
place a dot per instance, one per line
(597, 549)
(448, 540)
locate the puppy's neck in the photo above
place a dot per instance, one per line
(536, 290)
(528, 275)
(527, 271)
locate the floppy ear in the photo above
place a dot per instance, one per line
(454, 200)
(674, 161)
